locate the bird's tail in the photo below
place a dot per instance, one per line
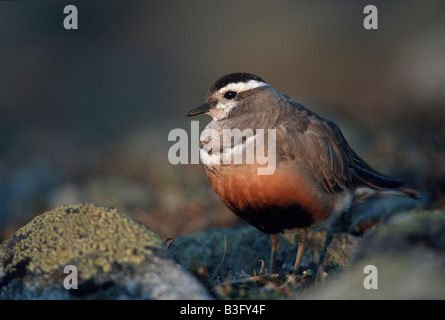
(373, 183)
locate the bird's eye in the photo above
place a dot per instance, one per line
(230, 95)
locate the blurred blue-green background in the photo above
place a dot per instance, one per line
(85, 114)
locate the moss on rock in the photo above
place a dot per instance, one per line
(89, 236)
(116, 258)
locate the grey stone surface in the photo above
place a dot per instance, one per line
(409, 254)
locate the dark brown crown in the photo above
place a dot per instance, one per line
(233, 78)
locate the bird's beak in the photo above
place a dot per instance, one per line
(201, 109)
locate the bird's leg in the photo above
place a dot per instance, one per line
(302, 242)
(274, 243)
(327, 242)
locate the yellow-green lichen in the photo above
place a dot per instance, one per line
(89, 236)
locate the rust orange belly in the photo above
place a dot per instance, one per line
(271, 203)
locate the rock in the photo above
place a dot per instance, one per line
(244, 250)
(377, 210)
(409, 253)
(116, 258)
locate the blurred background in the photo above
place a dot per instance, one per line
(85, 114)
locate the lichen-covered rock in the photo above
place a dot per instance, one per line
(116, 258)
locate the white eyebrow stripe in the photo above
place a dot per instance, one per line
(243, 86)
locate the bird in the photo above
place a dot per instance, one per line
(316, 175)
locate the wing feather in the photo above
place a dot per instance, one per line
(321, 145)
